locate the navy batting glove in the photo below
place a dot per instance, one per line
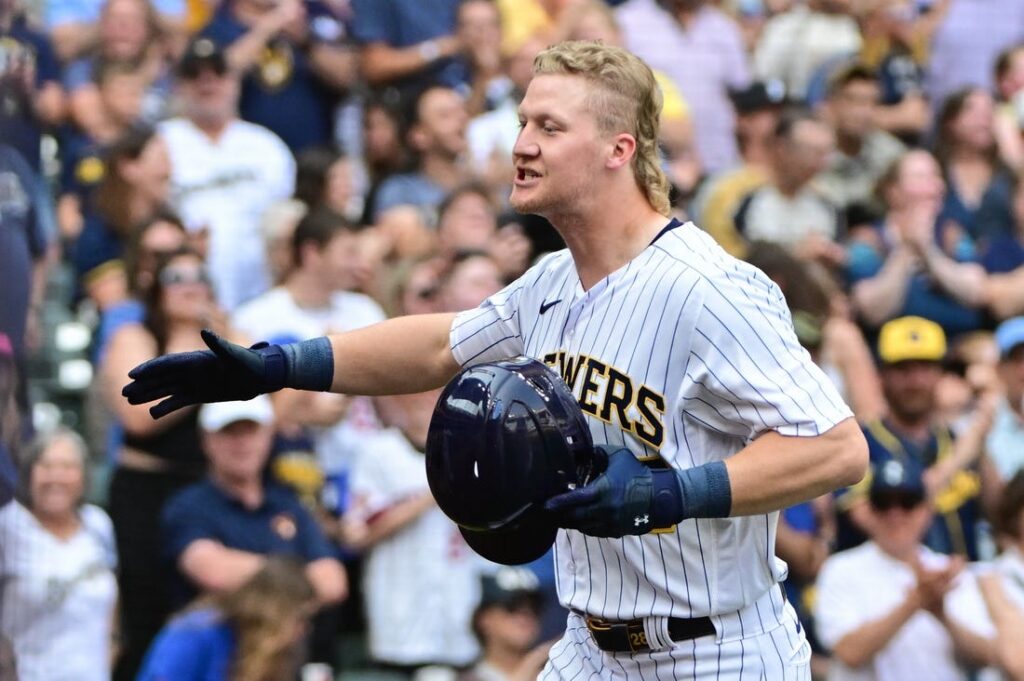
(620, 501)
(228, 372)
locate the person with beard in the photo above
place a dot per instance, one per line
(225, 172)
(910, 352)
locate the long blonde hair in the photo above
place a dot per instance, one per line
(626, 99)
(258, 612)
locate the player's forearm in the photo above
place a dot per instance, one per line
(399, 356)
(776, 471)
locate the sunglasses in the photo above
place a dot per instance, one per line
(887, 502)
(196, 69)
(173, 276)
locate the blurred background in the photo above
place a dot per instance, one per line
(281, 169)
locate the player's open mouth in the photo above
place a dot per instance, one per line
(526, 176)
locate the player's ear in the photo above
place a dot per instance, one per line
(622, 151)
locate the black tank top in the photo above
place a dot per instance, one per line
(178, 445)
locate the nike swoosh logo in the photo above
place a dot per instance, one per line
(544, 307)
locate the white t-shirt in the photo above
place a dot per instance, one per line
(275, 317)
(57, 596)
(421, 584)
(865, 584)
(966, 606)
(225, 185)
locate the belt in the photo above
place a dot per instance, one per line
(630, 636)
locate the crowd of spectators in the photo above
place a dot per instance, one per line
(276, 170)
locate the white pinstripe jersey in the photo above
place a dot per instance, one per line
(684, 353)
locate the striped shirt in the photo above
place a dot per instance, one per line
(686, 354)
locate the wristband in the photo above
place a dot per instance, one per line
(700, 492)
(309, 364)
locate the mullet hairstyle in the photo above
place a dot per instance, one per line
(626, 99)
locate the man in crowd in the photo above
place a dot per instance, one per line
(910, 352)
(864, 151)
(217, 532)
(1005, 442)
(789, 210)
(880, 606)
(293, 63)
(437, 135)
(225, 173)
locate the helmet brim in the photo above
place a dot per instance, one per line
(523, 542)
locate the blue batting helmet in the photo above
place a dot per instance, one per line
(504, 438)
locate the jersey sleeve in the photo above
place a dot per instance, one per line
(494, 330)
(746, 372)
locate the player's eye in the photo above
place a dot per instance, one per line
(522, 124)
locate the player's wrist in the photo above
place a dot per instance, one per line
(305, 365)
(706, 491)
(310, 364)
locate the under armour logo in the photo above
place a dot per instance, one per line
(640, 520)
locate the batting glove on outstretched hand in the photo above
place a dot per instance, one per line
(224, 373)
(617, 503)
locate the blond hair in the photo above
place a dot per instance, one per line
(259, 612)
(627, 99)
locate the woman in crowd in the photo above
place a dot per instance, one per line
(57, 563)
(911, 262)
(134, 189)
(384, 152)
(251, 634)
(157, 457)
(978, 187)
(324, 178)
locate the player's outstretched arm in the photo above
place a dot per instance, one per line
(403, 355)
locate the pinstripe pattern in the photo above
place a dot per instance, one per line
(703, 346)
(778, 654)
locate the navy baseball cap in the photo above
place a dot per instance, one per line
(896, 478)
(510, 586)
(1009, 335)
(758, 96)
(199, 53)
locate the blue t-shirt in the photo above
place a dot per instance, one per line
(409, 189)
(196, 646)
(82, 166)
(23, 240)
(1004, 253)
(8, 476)
(18, 125)
(281, 92)
(88, 11)
(992, 217)
(281, 525)
(923, 297)
(402, 23)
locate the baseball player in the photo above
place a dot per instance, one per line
(682, 358)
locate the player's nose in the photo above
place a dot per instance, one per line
(525, 147)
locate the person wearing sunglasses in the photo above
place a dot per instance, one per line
(910, 353)
(155, 458)
(880, 606)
